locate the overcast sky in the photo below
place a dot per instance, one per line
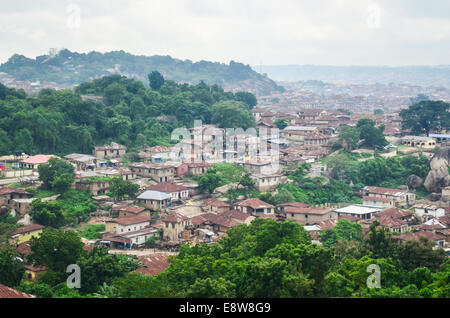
(271, 32)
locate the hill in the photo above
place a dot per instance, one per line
(414, 75)
(71, 68)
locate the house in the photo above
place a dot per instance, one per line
(158, 172)
(174, 225)
(33, 162)
(378, 201)
(424, 212)
(218, 222)
(132, 239)
(360, 211)
(393, 224)
(82, 162)
(198, 168)
(7, 292)
(400, 197)
(297, 133)
(177, 192)
(267, 182)
(154, 200)
(255, 207)
(281, 207)
(309, 215)
(432, 225)
(21, 206)
(214, 205)
(156, 154)
(130, 211)
(238, 216)
(110, 152)
(438, 239)
(127, 224)
(404, 215)
(9, 194)
(25, 233)
(32, 273)
(418, 142)
(95, 185)
(153, 264)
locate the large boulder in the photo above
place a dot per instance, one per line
(438, 177)
(414, 181)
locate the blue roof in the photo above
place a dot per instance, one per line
(439, 136)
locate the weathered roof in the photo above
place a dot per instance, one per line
(215, 202)
(254, 203)
(309, 210)
(166, 187)
(28, 229)
(7, 292)
(385, 191)
(131, 220)
(130, 209)
(153, 264)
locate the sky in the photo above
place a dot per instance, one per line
(267, 32)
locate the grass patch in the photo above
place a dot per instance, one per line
(92, 231)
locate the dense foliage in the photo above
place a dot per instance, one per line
(122, 110)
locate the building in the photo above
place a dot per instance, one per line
(154, 200)
(418, 142)
(132, 239)
(267, 182)
(400, 197)
(153, 264)
(7, 195)
(7, 292)
(359, 211)
(437, 239)
(309, 215)
(127, 224)
(424, 212)
(110, 152)
(95, 185)
(255, 207)
(157, 172)
(378, 201)
(33, 162)
(176, 191)
(214, 205)
(174, 225)
(25, 233)
(131, 211)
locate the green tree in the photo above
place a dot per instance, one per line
(281, 123)
(54, 168)
(62, 183)
(210, 182)
(349, 136)
(47, 213)
(343, 231)
(211, 288)
(56, 249)
(156, 80)
(248, 98)
(372, 136)
(121, 188)
(232, 114)
(425, 116)
(11, 268)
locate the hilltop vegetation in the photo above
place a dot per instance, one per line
(125, 111)
(71, 68)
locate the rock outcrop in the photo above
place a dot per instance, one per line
(438, 177)
(414, 181)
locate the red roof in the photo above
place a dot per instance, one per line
(38, 159)
(27, 229)
(394, 213)
(175, 218)
(130, 209)
(166, 187)
(6, 292)
(311, 210)
(372, 198)
(153, 264)
(132, 220)
(385, 191)
(235, 214)
(216, 202)
(415, 236)
(254, 203)
(23, 249)
(6, 190)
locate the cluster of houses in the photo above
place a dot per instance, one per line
(170, 209)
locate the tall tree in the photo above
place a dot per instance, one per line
(426, 116)
(156, 80)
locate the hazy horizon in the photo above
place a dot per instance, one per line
(253, 32)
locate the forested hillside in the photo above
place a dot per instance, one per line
(71, 68)
(113, 108)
